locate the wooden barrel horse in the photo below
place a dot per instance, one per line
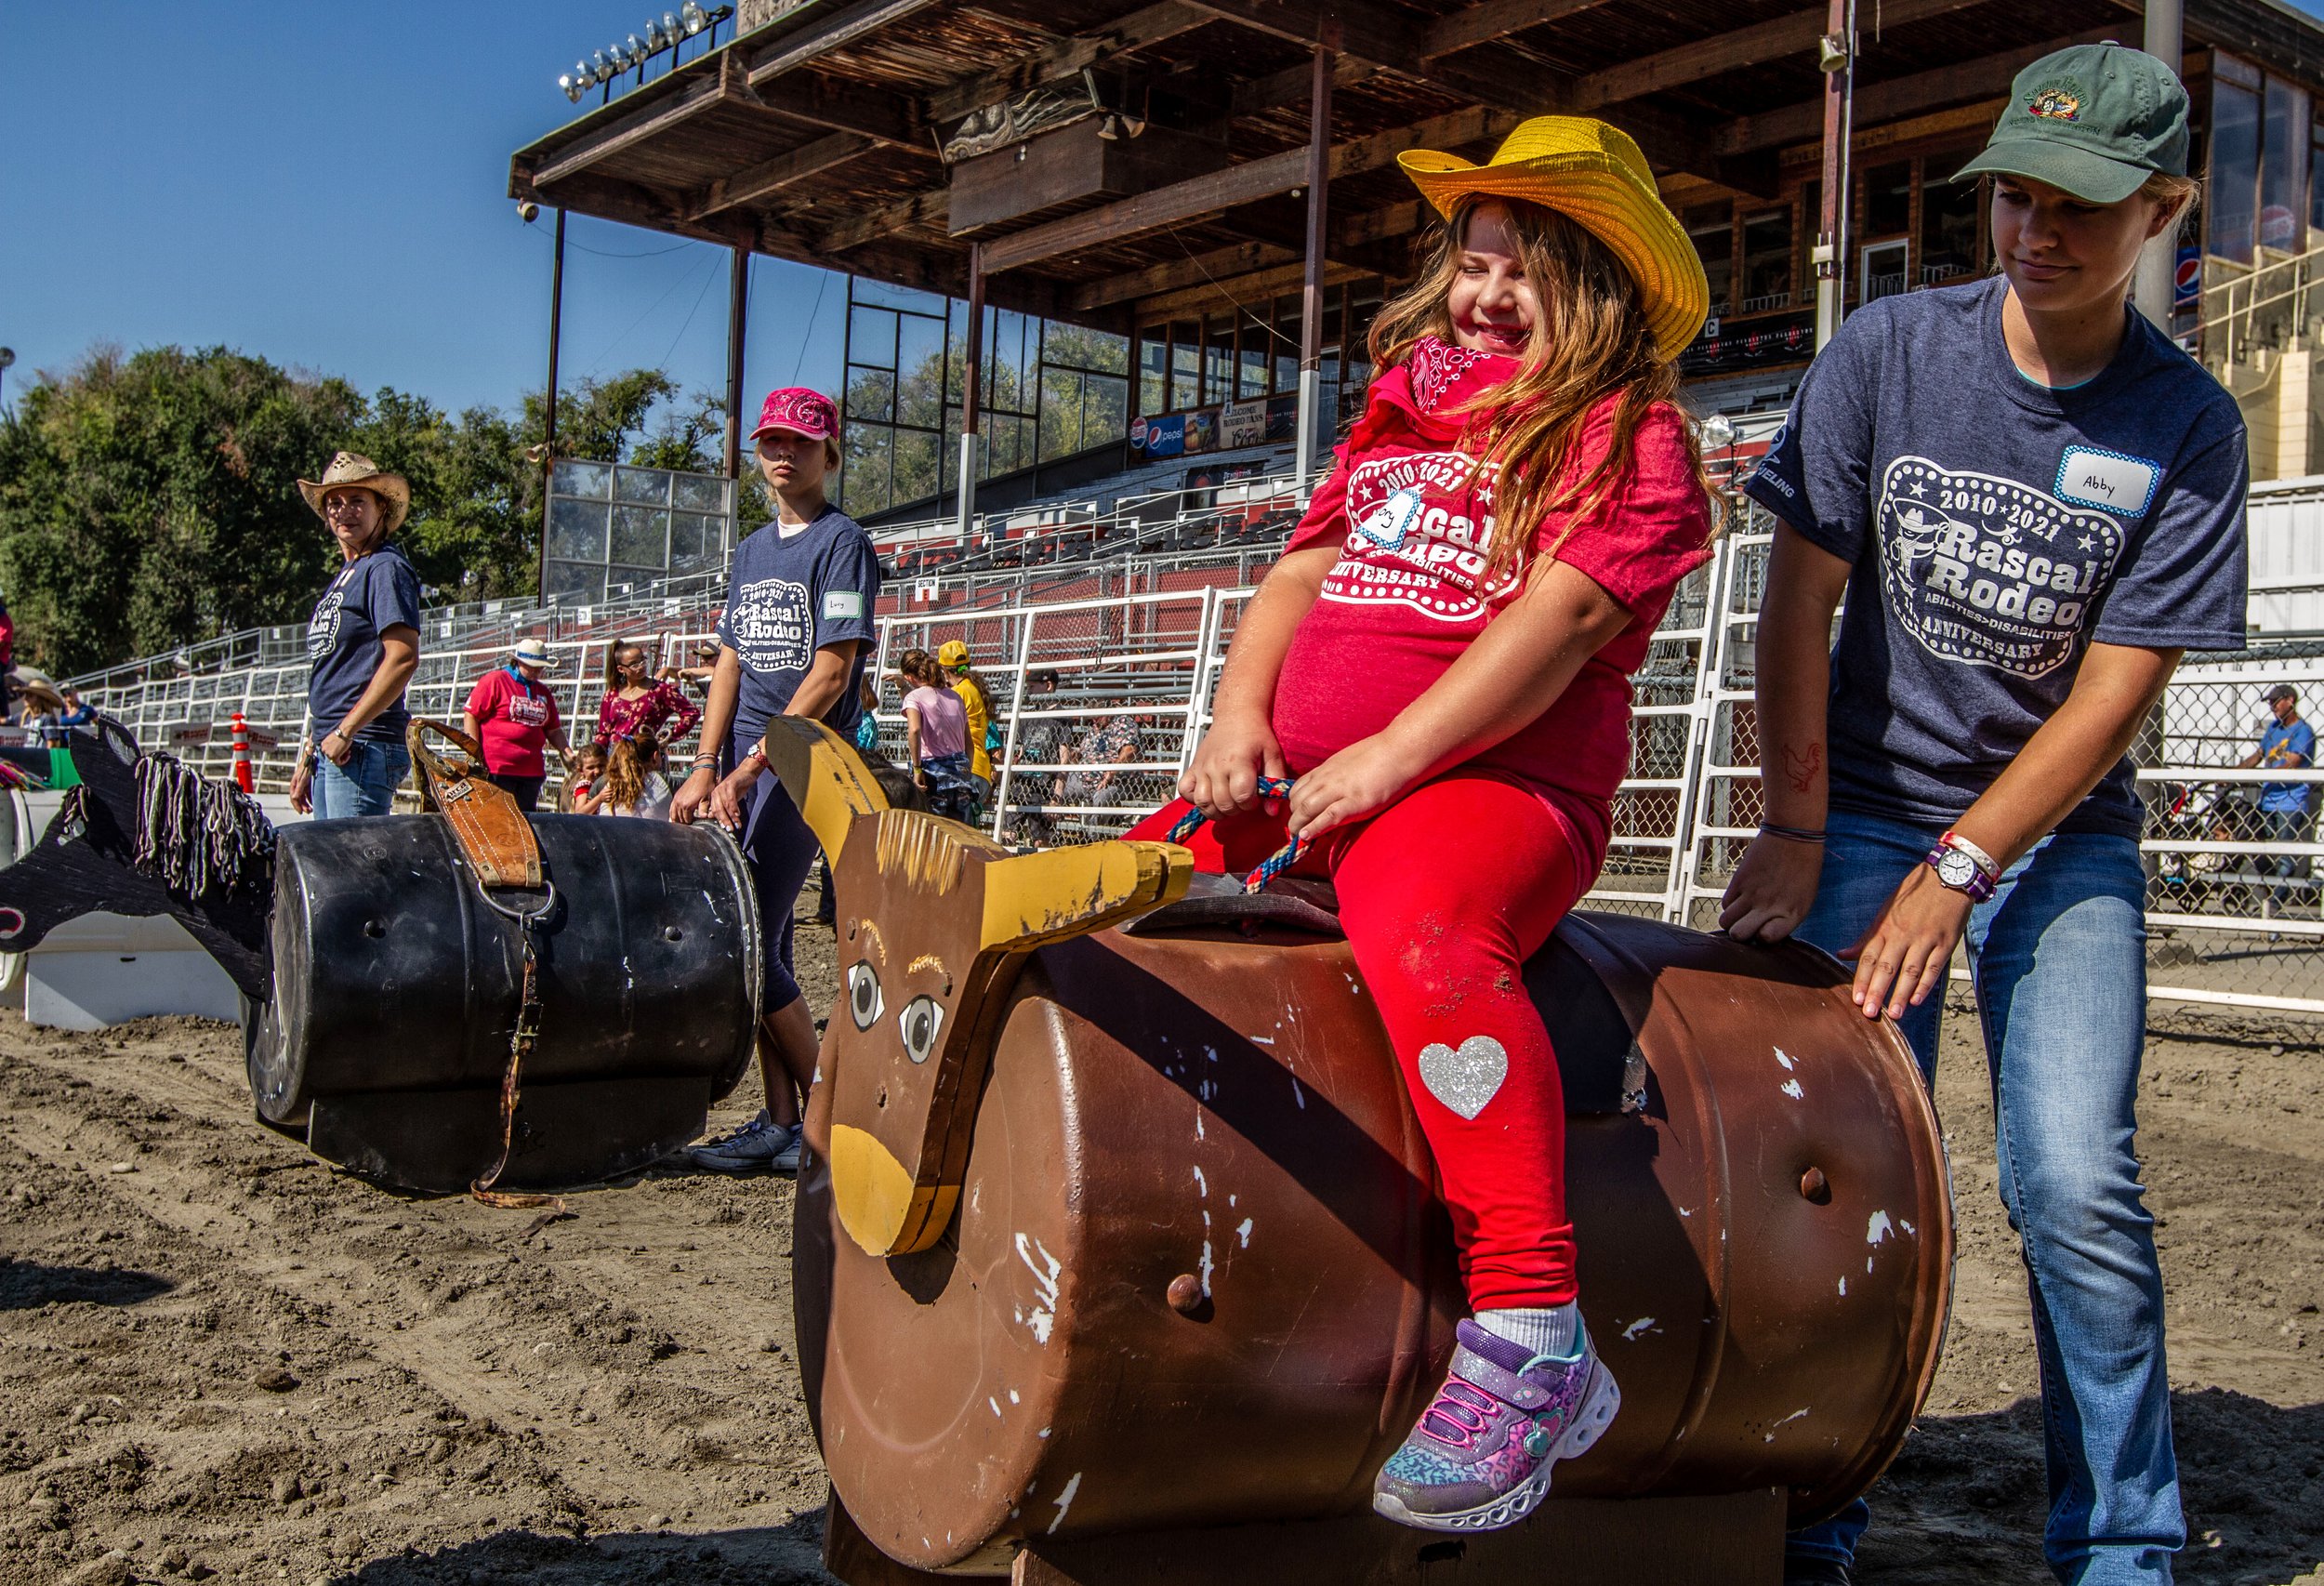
(385, 964)
(1117, 1257)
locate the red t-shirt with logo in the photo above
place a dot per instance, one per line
(1404, 601)
(514, 719)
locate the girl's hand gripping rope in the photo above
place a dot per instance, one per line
(1282, 859)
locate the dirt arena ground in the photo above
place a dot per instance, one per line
(220, 1360)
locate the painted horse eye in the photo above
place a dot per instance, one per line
(863, 995)
(922, 1018)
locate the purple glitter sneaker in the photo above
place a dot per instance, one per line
(1480, 1456)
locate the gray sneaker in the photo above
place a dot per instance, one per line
(758, 1144)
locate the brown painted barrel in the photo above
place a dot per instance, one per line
(1197, 1275)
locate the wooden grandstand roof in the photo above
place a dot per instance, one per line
(815, 138)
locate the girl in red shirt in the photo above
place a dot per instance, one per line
(1438, 667)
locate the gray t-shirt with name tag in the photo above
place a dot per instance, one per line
(1996, 528)
(785, 599)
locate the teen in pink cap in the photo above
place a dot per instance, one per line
(792, 642)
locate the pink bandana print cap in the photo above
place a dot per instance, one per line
(798, 408)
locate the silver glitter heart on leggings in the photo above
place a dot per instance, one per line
(1467, 1077)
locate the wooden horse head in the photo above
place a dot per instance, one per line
(934, 922)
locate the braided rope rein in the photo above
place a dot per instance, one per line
(1276, 864)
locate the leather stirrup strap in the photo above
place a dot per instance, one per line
(485, 821)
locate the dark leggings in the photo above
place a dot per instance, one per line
(780, 849)
(526, 790)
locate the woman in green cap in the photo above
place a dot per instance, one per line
(2033, 502)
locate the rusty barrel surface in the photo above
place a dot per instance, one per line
(1198, 1275)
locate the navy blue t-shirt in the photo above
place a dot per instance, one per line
(1998, 527)
(785, 599)
(371, 594)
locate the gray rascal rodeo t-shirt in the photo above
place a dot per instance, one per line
(372, 593)
(1996, 528)
(786, 597)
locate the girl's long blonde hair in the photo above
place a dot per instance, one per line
(1590, 339)
(626, 765)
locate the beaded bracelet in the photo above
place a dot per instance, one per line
(1796, 834)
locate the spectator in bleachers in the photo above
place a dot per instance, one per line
(512, 714)
(362, 643)
(696, 677)
(935, 737)
(1107, 747)
(636, 702)
(78, 712)
(2287, 809)
(1040, 741)
(983, 738)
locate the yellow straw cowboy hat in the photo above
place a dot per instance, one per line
(1594, 174)
(352, 470)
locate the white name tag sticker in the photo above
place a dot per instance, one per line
(840, 604)
(2119, 483)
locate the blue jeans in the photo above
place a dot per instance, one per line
(2287, 827)
(365, 785)
(2059, 959)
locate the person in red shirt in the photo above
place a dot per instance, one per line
(1438, 670)
(512, 713)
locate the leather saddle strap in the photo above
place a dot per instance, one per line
(484, 819)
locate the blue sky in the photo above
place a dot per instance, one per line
(324, 185)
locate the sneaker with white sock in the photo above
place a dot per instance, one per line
(760, 1144)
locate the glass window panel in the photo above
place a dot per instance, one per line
(583, 479)
(1153, 382)
(871, 394)
(1888, 200)
(698, 492)
(1104, 410)
(916, 456)
(641, 536)
(1218, 364)
(688, 535)
(577, 529)
(2234, 168)
(1948, 223)
(1251, 374)
(2284, 168)
(1080, 348)
(1766, 262)
(1060, 413)
(1185, 367)
(1287, 343)
(871, 334)
(641, 485)
(576, 580)
(919, 371)
(864, 478)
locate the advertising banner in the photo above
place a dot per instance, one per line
(1242, 424)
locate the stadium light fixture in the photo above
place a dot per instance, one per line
(695, 22)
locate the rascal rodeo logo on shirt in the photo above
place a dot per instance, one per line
(774, 625)
(1997, 573)
(1419, 528)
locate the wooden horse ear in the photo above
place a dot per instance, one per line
(825, 778)
(1033, 899)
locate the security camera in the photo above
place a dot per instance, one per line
(528, 211)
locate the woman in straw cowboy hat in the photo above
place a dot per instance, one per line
(513, 715)
(1438, 668)
(362, 643)
(2033, 501)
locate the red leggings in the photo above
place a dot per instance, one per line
(1444, 895)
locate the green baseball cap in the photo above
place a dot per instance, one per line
(2097, 120)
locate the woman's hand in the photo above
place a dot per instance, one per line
(731, 796)
(685, 805)
(1349, 786)
(1234, 754)
(1906, 954)
(302, 787)
(347, 747)
(1772, 890)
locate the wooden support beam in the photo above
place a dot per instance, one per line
(1218, 264)
(1064, 59)
(1245, 183)
(1255, 95)
(667, 109)
(823, 101)
(921, 210)
(1971, 80)
(1496, 19)
(754, 182)
(832, 30)
(1794, 35)
(1361, 28)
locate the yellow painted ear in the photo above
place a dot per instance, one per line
(1031, 899)
(825, 778)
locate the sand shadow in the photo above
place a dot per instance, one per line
(27, 1286)
(790, 1554)
(1966, 1500)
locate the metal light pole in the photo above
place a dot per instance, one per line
(2155, 285)
(1838, 59)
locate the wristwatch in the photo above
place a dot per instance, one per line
(1962, 867)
